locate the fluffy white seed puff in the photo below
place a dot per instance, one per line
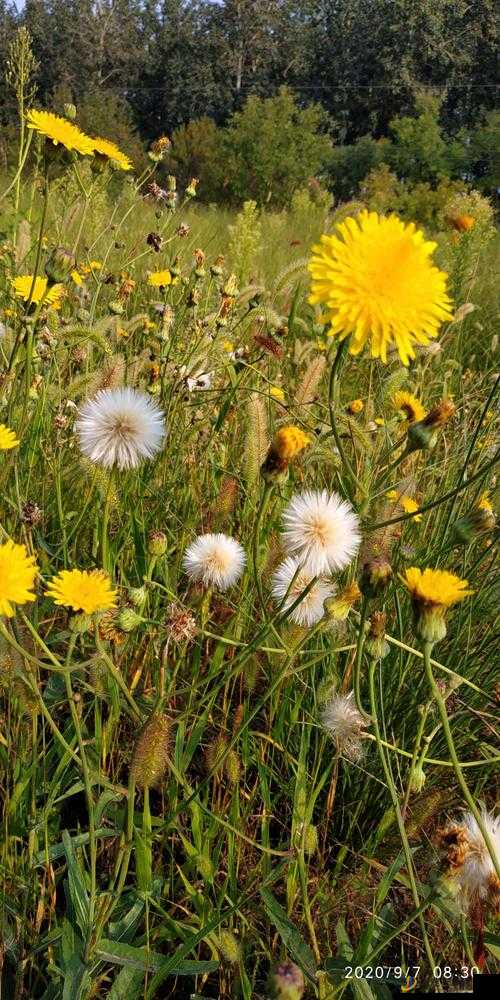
(344, 723)
(215, 560)
(321, 530)
(474, 876)
(121, 427)
(310, 610)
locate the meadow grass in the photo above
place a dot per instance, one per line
(261, 839)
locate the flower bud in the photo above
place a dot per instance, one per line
(422, 435)
(430, 625)
(157, 543)
(288, 982)
(116, 307)
(128, 619)
(137, 596)
(418, 779)
(59, 264)
(80, 624)
(376, 575)
(191, 188)
(70, 111)
(376, 644)
(473, 524)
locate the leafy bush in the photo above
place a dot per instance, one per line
(196, 152)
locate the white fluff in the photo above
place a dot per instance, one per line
(120, 427)
(344, 723)
(474, 875)
(321, 530)
(310, 610)
(215, 560)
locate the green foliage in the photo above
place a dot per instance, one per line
(245, 241)
(196, 152)
(418, 150)
(107, 114)
(273, 146)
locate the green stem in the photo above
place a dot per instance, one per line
(397, 810)
(356, 676)
(333, 421)
(88, 795)
(427, 649)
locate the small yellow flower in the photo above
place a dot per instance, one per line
(82, 590)
(8, 439)
(95, 265)
(50, 296)
(60, 131)
(380, 422)
(17, 576)
(160, 279)
(410, 506)
(377, 281)
(436, 588)
(107, 149)
(77, 278)
(289, 441)
(409, 404)
(484, 502)
(276, 392)
(355, 406)
(339, 605)
(228, 346)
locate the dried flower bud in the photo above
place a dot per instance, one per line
(422, 435)
(155, 241)
(150, 758)
(183, 230)
(31, 513)
(477, 522)
(376, 575)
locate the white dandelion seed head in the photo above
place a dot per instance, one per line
(215, 560)
(345, 724)
(310, 610)
(120, 427)
(321, 530)
(474, 875)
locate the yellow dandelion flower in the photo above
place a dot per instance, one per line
(50, 296)
(339, 605)
(409, 405)
(276, 392)
(355, 406)
(376, 278)
(436, 587)
(228, 346)
(109, 150)
(17, 576)
(8, 438)
(77, 278)
(82, 590)
(95, 265)
(60, 131)
(380, 422)
(160, 279)
(289, 441)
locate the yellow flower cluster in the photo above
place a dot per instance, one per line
(62, 132)
(8, 439)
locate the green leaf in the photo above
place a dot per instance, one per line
(119, 953)
(492, 942)
(76, 980)
(294, 943)
(76, 883)
(127, 985)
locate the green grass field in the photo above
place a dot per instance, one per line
(176, 818)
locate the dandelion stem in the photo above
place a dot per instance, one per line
(427, 649)
(356, 680)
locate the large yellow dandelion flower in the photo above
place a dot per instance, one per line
(17, 576)
(60, 131)
(409, 405)
(8, 439)
(82, 590)
(108, 149)
(160, 279)
(436, 587)
(51, 296)
(377, 282)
